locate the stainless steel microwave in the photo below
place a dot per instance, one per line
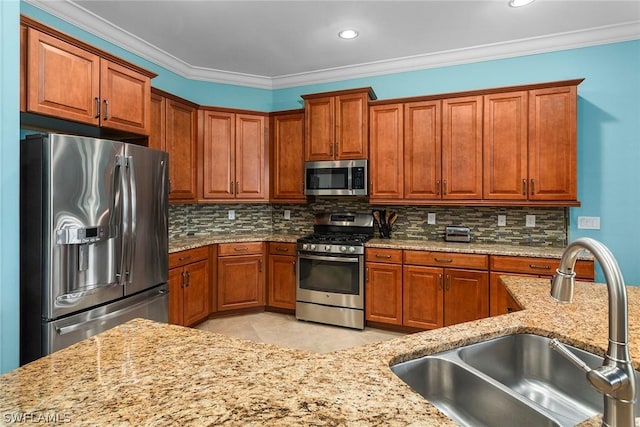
(336, 178)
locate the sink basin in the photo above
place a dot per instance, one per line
(522, 367)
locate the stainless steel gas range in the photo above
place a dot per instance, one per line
(330, 273)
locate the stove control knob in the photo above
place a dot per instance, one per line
(352, 249)
(327, 248)
(312, 247)
(343, 249)
(305, 246)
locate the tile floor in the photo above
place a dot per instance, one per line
(284, 330)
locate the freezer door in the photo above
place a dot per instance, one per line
(151, 304)
(81, 236)
(146, 236)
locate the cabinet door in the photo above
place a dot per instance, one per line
(240, 282)
(196, 292)
(552, 144)
(423, 297)
(287, 157)
(282, 281)
(219, 155)
(505, 146)
(63, 80)
(422, 150)
(157, 124)
(319, 128)
(462, 148)
(250, 157)
(498, 294)
(23, 67)
(125, 96)
(386, 162)
(175, 282)
(383, 293)
(352, 126)
(466, 295)
(180, 142)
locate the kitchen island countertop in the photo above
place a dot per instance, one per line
(146, 373)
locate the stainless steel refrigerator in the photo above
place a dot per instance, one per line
(93, 239)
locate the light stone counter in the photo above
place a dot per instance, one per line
(149, 374)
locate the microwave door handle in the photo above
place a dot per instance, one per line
(328, 258)
(133, 204)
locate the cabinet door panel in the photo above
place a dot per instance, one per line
(196, 292)
(282, 281)
(422, 150)
(466, 296)
(240, 282)
(180, 142)
(351, 138)
(319, 128)
(505, 146)
(250, 157)
(219, 155)
(552, 144)
(423, 296)
(176, 313)
(462, 148)
(125, 97)
(383, 290)
(287, 169)
(63, 80)
(157, 124)
(386, 162)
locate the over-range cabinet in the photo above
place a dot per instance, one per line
(93, 239)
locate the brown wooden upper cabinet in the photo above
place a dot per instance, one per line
(530, 145)
(336, 124)
(234, 156)
(287, 157)
(70, 80)
(174, 130)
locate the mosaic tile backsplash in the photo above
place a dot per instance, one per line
(550, 228)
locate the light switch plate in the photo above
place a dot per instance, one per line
(530, 221)
(502, 220)
(431, 218)
(589, 222)
(287, 214)
(232, 214)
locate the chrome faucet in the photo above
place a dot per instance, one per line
(615, 379)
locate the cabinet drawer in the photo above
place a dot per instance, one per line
(226, 249)
(181, 258)
(446, 259)
(276, 248)
(392, 256)
(540, 266)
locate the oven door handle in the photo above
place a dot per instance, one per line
(327, 258)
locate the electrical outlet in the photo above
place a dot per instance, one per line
(232, 214)
(502, 220)
(589, 222)
(287, 214)
(530, 221)
(431, 218)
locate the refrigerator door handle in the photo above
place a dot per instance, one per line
(125, 203)
(133, 196)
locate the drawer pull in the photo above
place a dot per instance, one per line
(383, 256)
(443, 260)
(241, 249)
(282, 249)
(540, 267)
(184, 258)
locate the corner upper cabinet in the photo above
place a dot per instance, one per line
(336, 125)
(234, 156)
(174, 130)
(287, 157)
(71, 80)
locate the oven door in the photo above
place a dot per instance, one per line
(331, 280)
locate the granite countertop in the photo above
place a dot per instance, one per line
(177, 244)
(147, 373)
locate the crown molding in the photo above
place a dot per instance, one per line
(85, 20)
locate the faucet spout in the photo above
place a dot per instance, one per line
(616, 378)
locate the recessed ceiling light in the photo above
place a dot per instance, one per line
(519, 3)
(348, 34)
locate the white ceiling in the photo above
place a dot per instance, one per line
(275, 44)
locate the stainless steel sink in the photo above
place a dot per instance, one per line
(476, 378)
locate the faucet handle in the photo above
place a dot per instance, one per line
(564, 352)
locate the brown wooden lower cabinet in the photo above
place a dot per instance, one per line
(383, 293)
(241, 276)
(423, 297)
(282, 275)
(466, 295)
(189, 286)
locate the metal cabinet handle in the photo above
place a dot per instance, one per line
(448, 283)
(97, 116)
(383, 256)
(540, 267)
(438, 187)
(331, 148)
(237, 191)
(366, 275)
(259, 265)
(183, 280)
(106, 109)
(533, 181)
(443, 260)
(183, 258)
(444, 187)
(282, 249)
(232, 188)
(524, 187)
(240, 249)
(188, 279)
(440, 281)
